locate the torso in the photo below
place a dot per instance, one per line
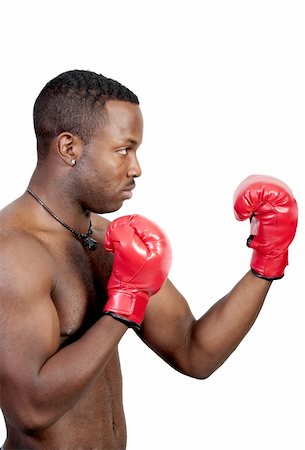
(97, 420)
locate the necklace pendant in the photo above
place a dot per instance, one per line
(89, 242)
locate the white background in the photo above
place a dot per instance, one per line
(222, 92)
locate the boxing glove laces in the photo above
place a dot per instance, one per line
(273, 212)
(142, 260)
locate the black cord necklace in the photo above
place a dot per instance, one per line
(86, 240)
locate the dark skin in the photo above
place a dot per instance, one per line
(60, 370)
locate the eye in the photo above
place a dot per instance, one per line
(123, 151)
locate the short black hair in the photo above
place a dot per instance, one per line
(74, 101)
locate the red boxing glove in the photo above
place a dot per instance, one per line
(142, 260)
(273, 213)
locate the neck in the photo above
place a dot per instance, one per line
(86, 239)
(57, 196)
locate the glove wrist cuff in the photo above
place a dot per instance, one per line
(269, 267)
(123, 320)
(129, 307)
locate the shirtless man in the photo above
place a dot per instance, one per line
(60, 322)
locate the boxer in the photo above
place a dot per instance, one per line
(72, 283)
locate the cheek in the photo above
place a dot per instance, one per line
(106, 172)
(111, 169)
(102, 175)
(104, 179)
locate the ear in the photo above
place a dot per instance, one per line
(69, 147)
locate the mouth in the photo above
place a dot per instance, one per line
(127, 191)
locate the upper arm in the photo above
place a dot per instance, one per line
(29, 326)
(167, 325)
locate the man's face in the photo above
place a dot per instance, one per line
(109, 164)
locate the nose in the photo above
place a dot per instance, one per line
(134, 169)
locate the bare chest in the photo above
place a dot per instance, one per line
(80, 289)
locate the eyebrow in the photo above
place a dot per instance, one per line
(133, 141)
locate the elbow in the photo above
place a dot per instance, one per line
(33, 425)
(196, 371)
(200, 375)
(26, 412)
(201, 368)
(37, 422)
(29, 422)
(206, 370)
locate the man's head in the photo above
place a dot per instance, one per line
(88, 130)
(75, 101)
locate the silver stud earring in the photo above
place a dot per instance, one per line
(73, 162)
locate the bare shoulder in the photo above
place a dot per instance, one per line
(18, 235)
(17, 243)
(23, 261)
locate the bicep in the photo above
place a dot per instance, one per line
(29, 329)
(167, 325)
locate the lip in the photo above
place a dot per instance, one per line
(127, 193)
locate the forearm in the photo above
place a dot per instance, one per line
(64, 377)
(217, 334)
